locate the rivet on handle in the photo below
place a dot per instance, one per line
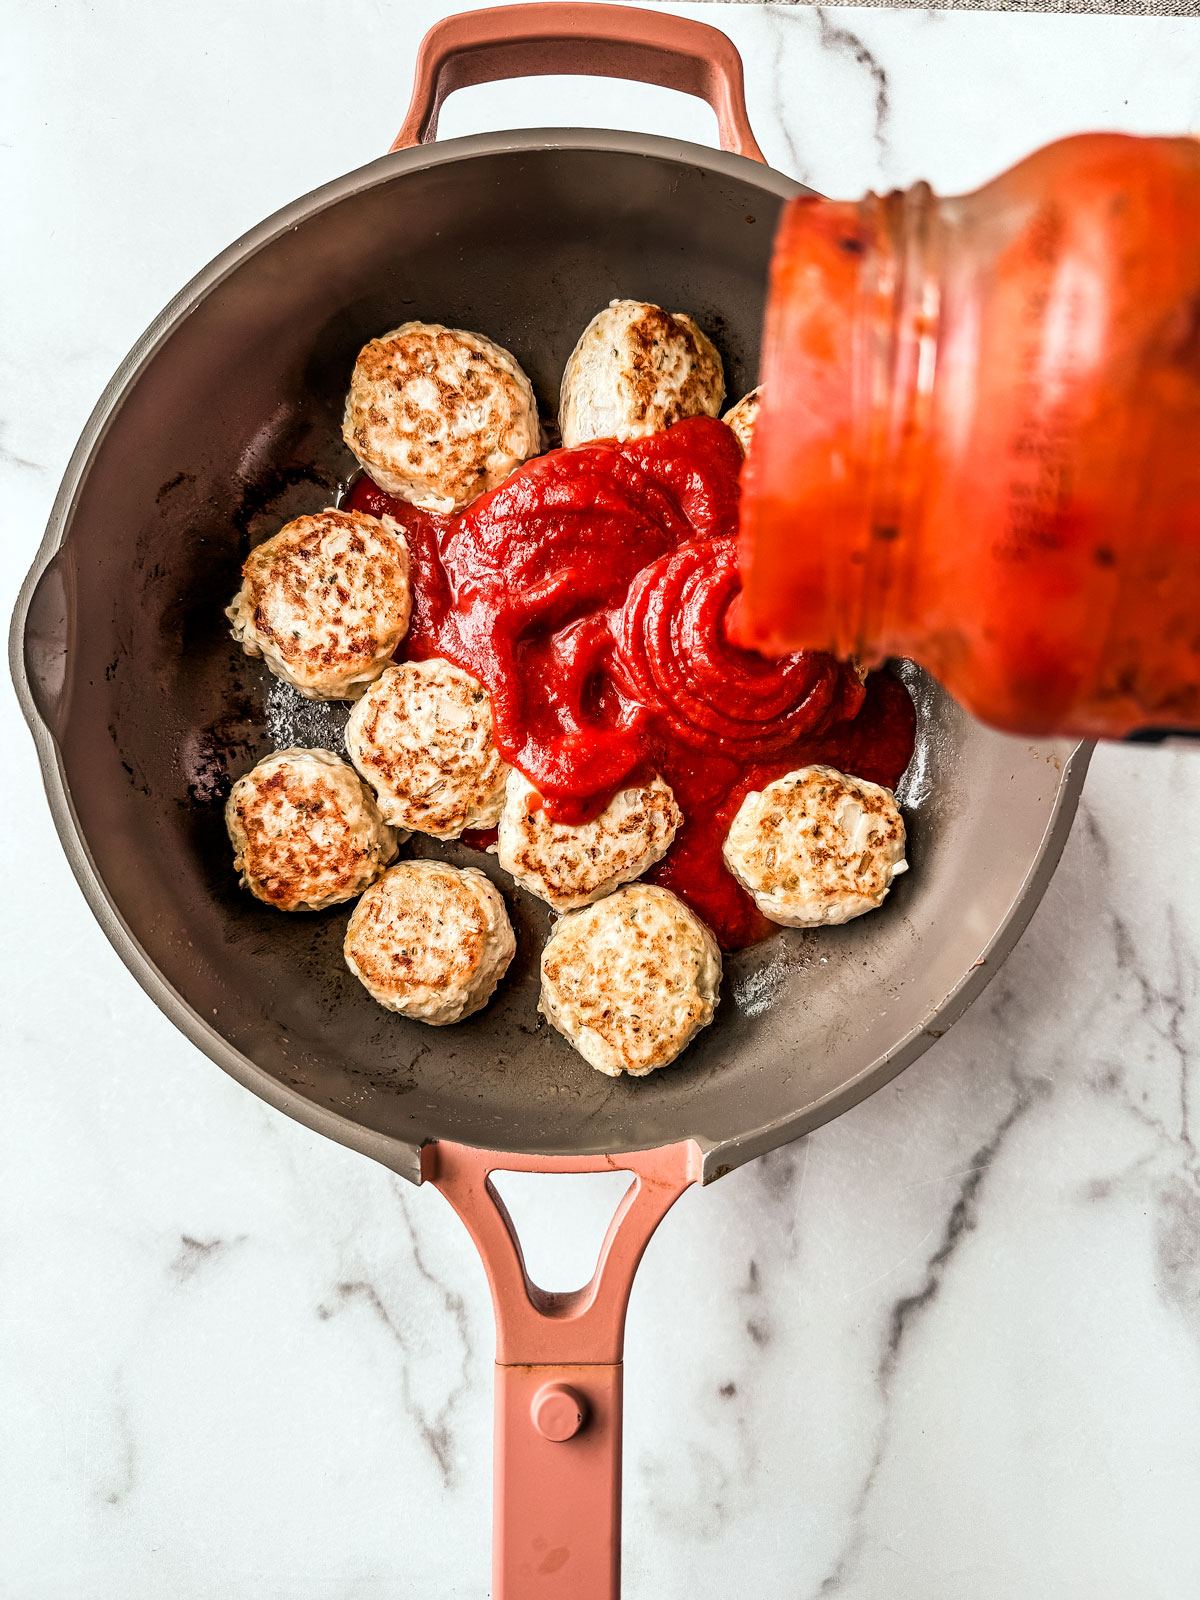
(558, 1412)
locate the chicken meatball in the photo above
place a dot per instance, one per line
(572, 866)
(635, 371)
(305, 831)
(438, 416)
(422, 738)
(325, 602)
(430, 941)
(817, 846)
(631, 980)
(742, 417)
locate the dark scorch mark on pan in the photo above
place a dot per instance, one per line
(211, 756)
(270, 492)
(177, 482)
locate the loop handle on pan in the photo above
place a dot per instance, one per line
(579, 37)
(557, 1467)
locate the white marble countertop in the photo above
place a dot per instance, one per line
(948, 1346)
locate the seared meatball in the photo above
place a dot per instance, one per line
(631, 980)
(325, 602)
(305, 831)
(817, 846)
(422, 738)
(742, 417)
(437, 416)
(635, 371)
(430, 941)
(571, 866)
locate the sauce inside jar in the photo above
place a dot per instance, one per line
(979, 440)
(589, 594)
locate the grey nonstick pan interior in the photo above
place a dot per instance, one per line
(223, 423)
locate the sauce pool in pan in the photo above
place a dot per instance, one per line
(589, 594)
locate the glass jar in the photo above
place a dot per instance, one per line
(979, 442)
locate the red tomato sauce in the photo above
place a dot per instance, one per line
(589, 594)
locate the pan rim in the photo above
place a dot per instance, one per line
(391, 1151)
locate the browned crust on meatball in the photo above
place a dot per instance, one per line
(328, 596)
(631, 979)
(743, 417)
(395, 938)
(417, 397)
(647, 336)
(423, 737)
(568, 866)
(295, 845)
(430, 941)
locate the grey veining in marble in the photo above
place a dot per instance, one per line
(948, 1346)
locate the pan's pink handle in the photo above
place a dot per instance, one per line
(557, 1493)
(570, 37)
